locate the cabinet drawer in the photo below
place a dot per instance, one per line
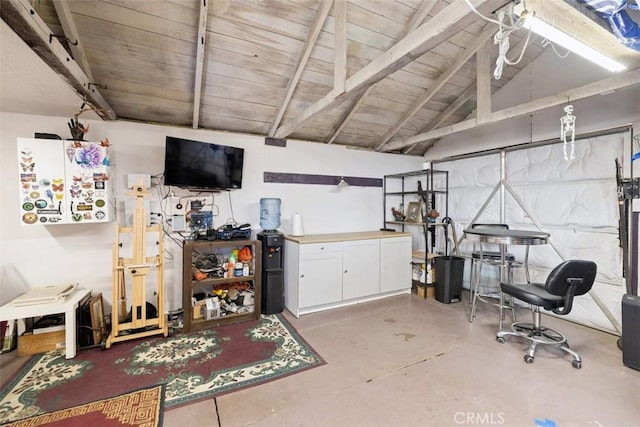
(319, 248)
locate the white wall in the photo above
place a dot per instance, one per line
(44, 255)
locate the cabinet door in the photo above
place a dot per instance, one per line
(360, 274)
(43, 190)
(320, 275)
(395, 264)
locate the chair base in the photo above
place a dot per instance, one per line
(539, 335)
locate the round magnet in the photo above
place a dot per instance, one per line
(27, 206)
(41, 203)
(29, 218)
(34, 194)
(100, 203)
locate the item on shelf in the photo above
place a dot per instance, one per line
(397, 214)
(215, 300)
(244, 254)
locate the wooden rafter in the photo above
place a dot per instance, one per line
(411, 47)
(452, 108)
(25, 22)
(466, 95)
(202, 40)
(426, 96)
(353, 109)
(314, 31)
(71, 33)
(483, 83)
(420, 15)
(415, 21)
(620, 81)
(340, 49)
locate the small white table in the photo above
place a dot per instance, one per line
(68, 306)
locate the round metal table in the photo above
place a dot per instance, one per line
(505, 237)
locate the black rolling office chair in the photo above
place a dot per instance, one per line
(491, 258)
(568, 280)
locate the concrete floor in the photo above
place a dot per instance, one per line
(405, 361)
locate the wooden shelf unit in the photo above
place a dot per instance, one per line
(222, 249)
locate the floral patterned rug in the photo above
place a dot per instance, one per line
(193, 366)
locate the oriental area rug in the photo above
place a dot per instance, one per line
(194, 366)
(139, 408)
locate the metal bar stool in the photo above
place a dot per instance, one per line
(495, 259)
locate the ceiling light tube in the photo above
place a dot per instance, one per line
(556, 36)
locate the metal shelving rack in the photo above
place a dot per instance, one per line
(435, 186)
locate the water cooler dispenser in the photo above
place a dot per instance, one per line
(272, 257)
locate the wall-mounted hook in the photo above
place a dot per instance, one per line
(96, 85)
(51, 36)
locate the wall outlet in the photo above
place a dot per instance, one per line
(178, 223)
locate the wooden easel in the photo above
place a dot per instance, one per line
(137, 268)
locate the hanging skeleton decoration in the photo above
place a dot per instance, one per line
(568, 132)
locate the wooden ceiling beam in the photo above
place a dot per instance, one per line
(619, 81)
(467, 95)
(340, 46)
(200, 42)
(415, 21)
(346, 118)
(26, 23)
(426, 96)
(314, 31)
(71, 33)
(483, 83)
(411, 47)
(452, 108)
(420, 15)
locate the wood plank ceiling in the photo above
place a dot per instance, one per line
(369, 74)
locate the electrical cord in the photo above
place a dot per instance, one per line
(547, 42)
(501, 38)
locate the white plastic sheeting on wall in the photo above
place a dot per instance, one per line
(575, 201)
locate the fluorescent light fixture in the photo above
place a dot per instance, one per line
(556, 36)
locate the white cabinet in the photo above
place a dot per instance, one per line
(360, 277)
(64, 182)
(333, 270)
(320, 274)
(395, 264)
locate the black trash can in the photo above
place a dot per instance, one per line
(449, 272)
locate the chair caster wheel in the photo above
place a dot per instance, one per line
(576, 364)
(528, 359)
(500, 340)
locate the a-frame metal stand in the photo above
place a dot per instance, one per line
(136, 269)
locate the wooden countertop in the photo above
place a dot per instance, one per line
(340, 237)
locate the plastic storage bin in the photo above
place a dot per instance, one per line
(449, 272)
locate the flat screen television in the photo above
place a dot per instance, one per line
(204, 166)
